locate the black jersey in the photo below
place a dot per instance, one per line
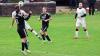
(45, 16)
(20, 21)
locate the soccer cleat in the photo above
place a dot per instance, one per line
(44, 41)
(88, 36)
(75, 37)
(28, 51)
(49, 42)
(39, 37)
(23, 52)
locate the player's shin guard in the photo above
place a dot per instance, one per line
(22, 46)
(48, 38)
(76, 33)
(43, 37)
(26, 46)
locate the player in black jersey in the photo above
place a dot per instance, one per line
(18, 16)
(45, 17)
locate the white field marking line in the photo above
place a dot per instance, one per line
(53, 53)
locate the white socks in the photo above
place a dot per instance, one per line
(76, 33)
(34, 32)
(87, 33)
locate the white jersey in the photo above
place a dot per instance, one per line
(21, 13)
(27, 26)
(80, 12)
(80, 20)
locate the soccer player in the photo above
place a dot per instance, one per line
(27, 26)
(18, 16)
(80, 20)
(45, 18)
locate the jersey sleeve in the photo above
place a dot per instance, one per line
(84, 11)
(23, 12)
(41, 16)
(13, 14)
(49, 15)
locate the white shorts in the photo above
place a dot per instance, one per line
(80, 22)
(27, 26)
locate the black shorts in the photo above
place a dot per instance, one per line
(44, 28)
(22, 33)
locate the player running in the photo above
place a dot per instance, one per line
(45, 17)
(18, 16)
(80, 20)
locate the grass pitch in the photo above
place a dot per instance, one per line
(61, 31)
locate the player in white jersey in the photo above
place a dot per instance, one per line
(80, 20)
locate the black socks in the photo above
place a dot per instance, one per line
(46, 37)
(24, 45)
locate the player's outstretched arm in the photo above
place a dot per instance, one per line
(75, 15)
(28, 15)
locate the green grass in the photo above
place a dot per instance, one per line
(61, 31)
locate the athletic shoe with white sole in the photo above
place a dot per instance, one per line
(24, 52)
(28, 51)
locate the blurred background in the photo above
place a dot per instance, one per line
(54, 6)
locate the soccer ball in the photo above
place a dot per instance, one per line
(20, 3)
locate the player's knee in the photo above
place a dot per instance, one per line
(77, 29)
(85, 29)
(23, 40)
(42, 33)
(46, 33)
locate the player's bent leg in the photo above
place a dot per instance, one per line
(33, 31)
(27, 26)
(36, 34)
